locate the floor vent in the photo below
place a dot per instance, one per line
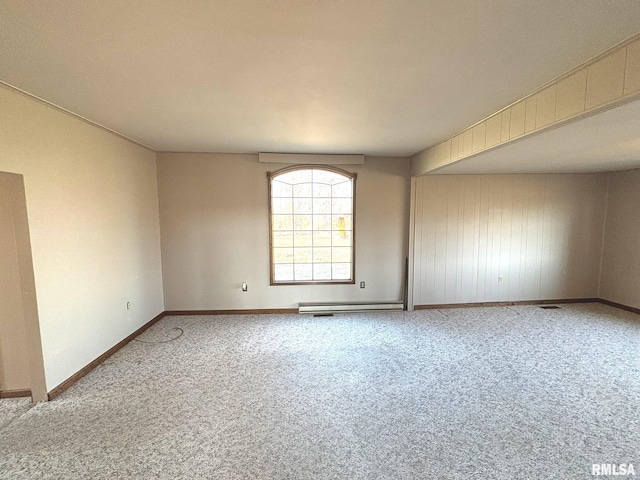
(344, 307)
(550, 307)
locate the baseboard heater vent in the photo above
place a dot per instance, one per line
(344, 307)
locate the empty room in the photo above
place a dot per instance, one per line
(304, 239)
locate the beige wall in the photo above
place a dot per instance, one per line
(215, 233)
(14, 362)
(93, 216)
(620, 277)
(541, 233)
(92, 200)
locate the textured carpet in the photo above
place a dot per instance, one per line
(12, 408)
(486, 393)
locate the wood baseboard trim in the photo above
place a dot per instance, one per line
(506, 304)
(258, 311)
(15, 393)
(619, 305)
(83, 371)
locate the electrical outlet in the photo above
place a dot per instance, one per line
(128, 305)
(362, 284)
(500, 279)
(244, 286)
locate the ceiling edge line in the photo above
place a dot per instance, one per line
(72, 114)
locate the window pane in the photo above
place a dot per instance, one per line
(341, 205)
(341, 239)
(328, 177)
(297, 176)
(283, 255)
(279, 189)
(341, 222)
(343, 189)
(283, 273)
(341, 254)
(321, 205)
(303, 239)
(302, 190)
(321, 239)
(302, 255)
(322, 222)
(322, 254)
(283, 239)
(303, 272)
(282, 205)
(282, 222)
(312, 225)
(321, 190)
(341, 271)
(302, 222)
(301, 205)
(322, 271)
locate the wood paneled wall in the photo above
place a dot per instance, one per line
(489, 238)
(620, 276)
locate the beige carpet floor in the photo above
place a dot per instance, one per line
(480, 393)
(12, 408)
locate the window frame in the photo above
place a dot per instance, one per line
(353, 176)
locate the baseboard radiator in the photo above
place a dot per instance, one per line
(345, 307)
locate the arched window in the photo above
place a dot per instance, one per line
(311, 222)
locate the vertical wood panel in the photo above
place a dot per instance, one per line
(493, 230)
(506, 121)
(441, 204)
(605, 79)
(422, 269)
(632, 71)
(621, 255)
(444, 152)
(548, 266)
(483, 244)
(546, 106)
(494, 128)
(539, 232)
(516, 240)
(516, 126)
(571, 94)
(415, 245)
(468, 281)
(507, 261)
(455, 154)
(532, 199)
(448, 276)
(530, 114)
(478, 134)
(467, 142)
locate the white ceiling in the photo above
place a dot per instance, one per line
(379, 77)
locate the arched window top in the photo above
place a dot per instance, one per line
(312, 225)
(312, 173)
